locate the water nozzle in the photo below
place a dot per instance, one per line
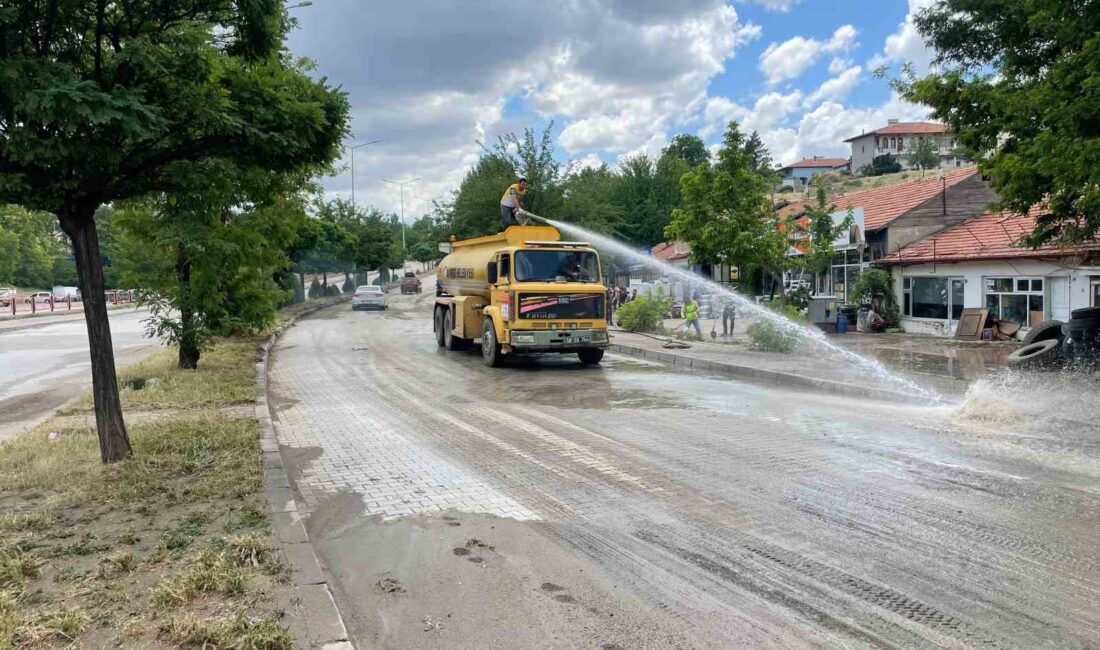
(526, 217)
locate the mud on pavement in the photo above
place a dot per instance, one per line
(461, 580)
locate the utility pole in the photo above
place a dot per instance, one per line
(402, 185)
(351, 152)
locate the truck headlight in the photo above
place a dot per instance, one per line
(599, 335)
(523, 338)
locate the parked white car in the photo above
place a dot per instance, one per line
(39, 296)
(368, 296)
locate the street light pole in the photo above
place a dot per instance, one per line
(351, 151)
(402, 185)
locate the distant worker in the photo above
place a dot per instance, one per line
(691, 316)
(729, 315)
(510, 203)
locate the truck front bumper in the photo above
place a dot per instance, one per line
(557, 340)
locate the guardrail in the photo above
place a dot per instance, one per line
(114, 297)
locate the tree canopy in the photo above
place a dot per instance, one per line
(726, 213)
(1019, 82)
(107, 101)
(923, 155)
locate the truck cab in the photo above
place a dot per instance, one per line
(530, 293)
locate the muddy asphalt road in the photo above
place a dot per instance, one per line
(43, 364)
(632, 506)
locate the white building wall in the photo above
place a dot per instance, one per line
(974, 274)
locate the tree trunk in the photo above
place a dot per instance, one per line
(188, 346)
(78, 222)
(324, 278)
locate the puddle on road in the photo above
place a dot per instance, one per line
(957, 363)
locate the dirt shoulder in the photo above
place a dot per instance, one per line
(171, 548)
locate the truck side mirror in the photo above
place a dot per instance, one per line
(492, 272)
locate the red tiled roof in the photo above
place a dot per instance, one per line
(905, 128)
(668, 251)
(992, 236)
(818, 162)
(882, 205)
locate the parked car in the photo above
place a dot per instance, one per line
(39, 296)
(368, 296)
(7, 296)
(410, 283)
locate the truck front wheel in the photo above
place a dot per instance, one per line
(591, 357)
(490, 348)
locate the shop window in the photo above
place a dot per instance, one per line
(1015, 299)
(926, 298)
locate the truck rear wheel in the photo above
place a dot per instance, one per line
(437, 321)
(450, 341)
(490, 349)
(591, 357)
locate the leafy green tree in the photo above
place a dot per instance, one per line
(102, 102)
(725, 214)
(823, 232)
(209, 258)
(1018, 84)
(28, 247)
(476, 210)
(760, 159)
(924, 155)
(688, 148)
(589, 199)
(884, 164)
(532, 157)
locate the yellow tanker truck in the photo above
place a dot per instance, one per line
(522, 290)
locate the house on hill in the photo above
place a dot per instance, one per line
(796, 175)
(899, 138)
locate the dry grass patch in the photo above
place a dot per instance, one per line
(143, 552)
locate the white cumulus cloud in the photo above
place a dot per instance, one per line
(837, 87)
(789, 59)
(906, 45)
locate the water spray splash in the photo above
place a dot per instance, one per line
(811, 337)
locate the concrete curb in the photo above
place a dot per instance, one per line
(317, 609)
(761, 375)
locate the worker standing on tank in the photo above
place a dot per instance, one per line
(510, 203)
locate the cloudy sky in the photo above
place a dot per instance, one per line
(431, 78)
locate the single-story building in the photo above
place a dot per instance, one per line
(979, 264)
(796, 174)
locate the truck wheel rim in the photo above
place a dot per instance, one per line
(487, 344)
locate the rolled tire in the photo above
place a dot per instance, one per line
(1048, 329)
(437, 322)
(1083, 325)
(1085, 313)
(1043, 355)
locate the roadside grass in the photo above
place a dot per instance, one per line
(170, 548)
(225, 378)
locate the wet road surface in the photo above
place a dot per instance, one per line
(44, 364)
(633, 506)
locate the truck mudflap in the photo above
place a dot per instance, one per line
(557, 340)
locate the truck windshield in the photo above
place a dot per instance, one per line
(557, 266)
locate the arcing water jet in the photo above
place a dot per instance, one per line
(812, 338)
